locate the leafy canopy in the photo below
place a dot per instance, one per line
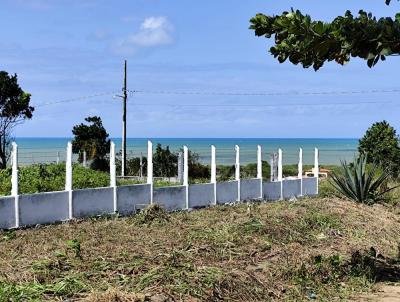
(312, 43)
(14, 102)
(14, 109)
(92, 139)
(380, 144)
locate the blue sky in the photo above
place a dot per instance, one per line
(67, 49)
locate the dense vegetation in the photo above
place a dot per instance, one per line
(15, 107)
(93, 140)
(51, 177)
(380, 144)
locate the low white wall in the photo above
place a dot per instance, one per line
(91, 202)
(272, 190)
(171, 198)
(201, 195)
(250, 189)
(227, 192)
(130, 198)
(43, 208)
(310, 186)
(291, 188)
(7, 212)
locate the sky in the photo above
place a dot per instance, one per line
(65, 51)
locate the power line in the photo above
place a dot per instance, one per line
(86, 97)
(339, 92)
(131, 92)
(260, 105)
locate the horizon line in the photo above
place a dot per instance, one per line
(118, 137)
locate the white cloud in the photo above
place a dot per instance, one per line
(153, 32)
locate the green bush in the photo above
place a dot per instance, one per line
(51, 177)
(380, 144)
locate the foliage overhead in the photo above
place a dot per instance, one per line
(14, 109)
(380, 144)
(92, 139)
(361, 183)
(304, 41)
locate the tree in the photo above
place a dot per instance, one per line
(380, 143)
(165, 162)
(92, 139)
(312, 43)
(14, 109)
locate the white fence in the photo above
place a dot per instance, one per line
(43, 208)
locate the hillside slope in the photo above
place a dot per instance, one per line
(319, 249)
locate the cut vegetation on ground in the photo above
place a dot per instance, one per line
(291, 251)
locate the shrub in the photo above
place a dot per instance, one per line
(92, 139)
(361, 183)
(51, 177)
(380, 144)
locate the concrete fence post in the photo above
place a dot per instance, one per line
(14, 182)
(300, 170)
(84, 161)
(113, 178)
(58, 157)
(316, 166)
(150, 168)
(68, 178)
(280, 170)
(237, 169)
(259, 169)
(214, 172)
(186, 173)
(180, 167)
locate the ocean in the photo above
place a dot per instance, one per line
(332, 151)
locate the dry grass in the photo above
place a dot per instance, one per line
(289, 251)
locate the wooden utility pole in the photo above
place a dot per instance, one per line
(125, 96)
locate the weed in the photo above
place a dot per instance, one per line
(9, 235)
(75, 246)
(154, 213)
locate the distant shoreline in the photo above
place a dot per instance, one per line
(332, 150)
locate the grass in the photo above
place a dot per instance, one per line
(283, 251)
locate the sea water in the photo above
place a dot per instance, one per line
(332, 150)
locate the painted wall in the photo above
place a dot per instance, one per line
(171, 198)
(310, 186)
(91, 202)
(132, 198)
(43, 208)
(291, 188)
(272, 190)
(201, 195)
(227, 192)
(250, 189)
(7, 212)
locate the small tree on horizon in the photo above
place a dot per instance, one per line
(381, 144)
(14, 109)
(92, 139)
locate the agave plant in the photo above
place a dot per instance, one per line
(361, 183)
